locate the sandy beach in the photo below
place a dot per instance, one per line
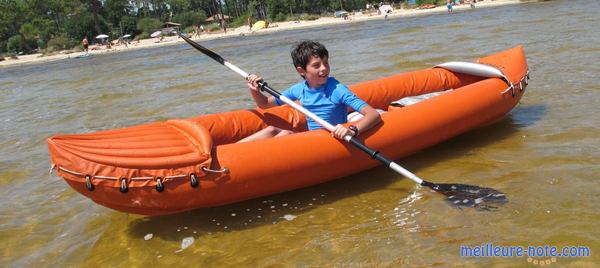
(243, 30)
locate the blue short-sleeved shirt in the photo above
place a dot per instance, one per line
(329, 101)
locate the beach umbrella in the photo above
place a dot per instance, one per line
(259, 25)
(126, 36)
(385, 9)
(156, 34)
(101, 36)
(340, 13)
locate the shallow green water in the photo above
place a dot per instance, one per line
(544, 155)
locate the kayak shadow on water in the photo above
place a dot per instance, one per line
(287, 206)
(520, 117)
(260, 211)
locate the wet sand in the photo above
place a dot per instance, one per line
(243, 30)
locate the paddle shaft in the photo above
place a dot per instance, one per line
(352, 140)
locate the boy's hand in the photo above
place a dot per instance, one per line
(261, 100)
(253, 82)
(340, 132)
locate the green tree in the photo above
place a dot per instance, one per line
(13, 14)
(179, 6)
(190, 18)
(78, 26)
(275, 8)
(59, 43)
(95, 7)
(115, 10)
(45, 29)
(432, 2)
(128, 25)
(149, 25)
(15, 44)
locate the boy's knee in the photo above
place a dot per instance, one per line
(285, 132)
(278, 132)
(272, 130)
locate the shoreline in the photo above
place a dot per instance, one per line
(243, 30)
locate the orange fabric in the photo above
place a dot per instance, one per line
(505, 61)
(233, 126)
(380, 93)
(183, 147)
(157, 149)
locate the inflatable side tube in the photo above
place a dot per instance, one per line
(476, 69)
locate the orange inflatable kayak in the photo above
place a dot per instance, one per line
(183, 164)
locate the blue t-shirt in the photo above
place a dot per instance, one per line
(329, 101)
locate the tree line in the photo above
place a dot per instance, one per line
(30, 26)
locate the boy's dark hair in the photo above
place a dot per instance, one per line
(304, 50)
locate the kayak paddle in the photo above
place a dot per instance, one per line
(461, 195)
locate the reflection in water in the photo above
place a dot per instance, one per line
(525, 116)
(405, 212)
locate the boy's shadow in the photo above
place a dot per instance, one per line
(286, 206)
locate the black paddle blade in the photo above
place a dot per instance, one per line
(463, 195)
(202, 49)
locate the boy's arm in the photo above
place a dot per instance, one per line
(261, 100)
(370, 116)
(370, 119)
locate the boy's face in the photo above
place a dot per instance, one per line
(317, 71)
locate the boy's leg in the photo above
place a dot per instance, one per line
(266, 133)
(283, 132)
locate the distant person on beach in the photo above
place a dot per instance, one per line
(473, 3)
(250, 22)
(449, 5)
(196, 31)
(121, 41)
(223, 27)
(319, 93)
(85, 44)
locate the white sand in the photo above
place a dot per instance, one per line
(243, 30)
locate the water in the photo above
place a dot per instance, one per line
(544, 155)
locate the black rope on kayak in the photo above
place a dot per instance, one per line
(159, 185)
(193, 180)
(124, 188)
(88, 183)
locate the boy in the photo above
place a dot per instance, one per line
(322, 95)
